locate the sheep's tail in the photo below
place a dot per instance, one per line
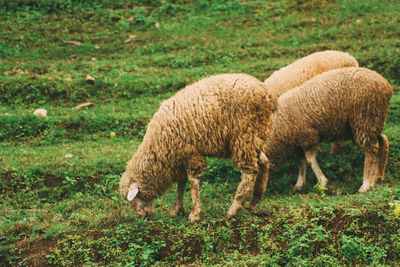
(383, 154)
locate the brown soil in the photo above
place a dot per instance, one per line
(35, 251)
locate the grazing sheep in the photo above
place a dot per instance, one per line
(306, 68)
(347, 103)
(224, 116)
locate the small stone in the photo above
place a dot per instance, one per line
(74, 42)
(84, 105)
(89, 79)
(68, 156)
(130, 38)
(41, 112)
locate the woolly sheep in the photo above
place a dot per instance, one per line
(226, 115)
(306, 68)
(347, 103)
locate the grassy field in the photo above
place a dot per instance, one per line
(61, 210)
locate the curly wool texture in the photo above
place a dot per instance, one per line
(224, 116)
(347, 103)
(306, 68)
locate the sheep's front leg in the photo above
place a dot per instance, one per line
(311, 156)
(259, 187)
(195, 168)
(178, 207)
(194, 190)
(261, 181)
(301, 180)
(243, 191)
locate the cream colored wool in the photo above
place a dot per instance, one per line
(225, 116)
(347, 103)
(306, 68)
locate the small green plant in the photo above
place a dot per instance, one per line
(320, 189)
(395, 205)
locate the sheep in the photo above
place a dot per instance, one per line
(306, 68)
(225, 116)
(347, 103)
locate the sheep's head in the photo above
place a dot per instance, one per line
(142, 207)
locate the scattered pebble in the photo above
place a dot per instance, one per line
(84, 105)
(130, 38)
(40, 112)
(74, 42)
(68, 156)
(89, 79)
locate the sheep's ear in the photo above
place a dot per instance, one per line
(133, 190)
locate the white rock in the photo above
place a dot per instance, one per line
(40, 112)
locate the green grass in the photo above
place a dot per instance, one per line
(67, 211)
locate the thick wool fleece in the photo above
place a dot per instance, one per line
(225, 116)
(306, 68)
(347, 103)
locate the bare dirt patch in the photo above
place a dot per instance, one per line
(34, 252)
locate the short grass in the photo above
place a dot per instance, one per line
(60, 209)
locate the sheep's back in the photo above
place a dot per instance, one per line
(204, 117)
(306, 68)
(334, 102)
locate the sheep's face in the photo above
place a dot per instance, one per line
(143, 208)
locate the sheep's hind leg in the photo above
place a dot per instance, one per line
(371, 169)
(243, 191)
(195, 169)
(383, 154)
(301, 180)
(178, 207)
(311, 157)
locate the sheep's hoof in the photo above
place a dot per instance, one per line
(324, 184)
(233, 210)
(364, 188)
(252, 205)
(299, 187)
(194, 217)
(175, 213)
